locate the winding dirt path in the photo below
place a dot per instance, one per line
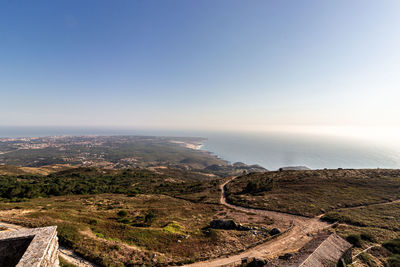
(65, 253)
(290, 241)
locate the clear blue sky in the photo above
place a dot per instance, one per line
(207, 64)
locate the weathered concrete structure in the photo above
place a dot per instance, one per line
(325, 250)
(36, 247)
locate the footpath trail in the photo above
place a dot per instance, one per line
(67, 254)
(289, 241)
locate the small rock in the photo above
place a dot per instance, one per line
(241, 227)
(286, 256)
(275, 231)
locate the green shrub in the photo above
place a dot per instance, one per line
(115, 247)
(173, 228)
(149, 217)
(251, 187)
(212, 234)
(367, 237)
(93, 222)
(132, 194)
(124, 220)
(354, 239)
(68, 234)
(367, 259)
(122, 213)
(99, 235)
(64, 263)
(393, 246)
(394, 261)
(263, 185)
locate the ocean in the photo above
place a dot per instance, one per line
(273, 150)
(270, 150)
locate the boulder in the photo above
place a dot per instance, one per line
(223, 224)
(255, 262)
(286, 256)
(275, 231)
(241, 227)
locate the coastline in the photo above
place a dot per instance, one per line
(194, 146)
(268, 150)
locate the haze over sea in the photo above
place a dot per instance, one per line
(271, 150)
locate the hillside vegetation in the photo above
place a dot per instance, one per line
(363, 204)
(133, 217)
(161, 215)
(310, 193)
(79, 181)
(117, 230)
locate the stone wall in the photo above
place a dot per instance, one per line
(38, 247)
(51, 255)
(324, 250)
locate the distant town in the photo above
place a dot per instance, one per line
(115, 152)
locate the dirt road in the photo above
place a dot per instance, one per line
(290, 241)
(65, 253)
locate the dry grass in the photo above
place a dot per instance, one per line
(378, 216)
(90, 224)
(345, 196)
(311, 193)
(44, 170)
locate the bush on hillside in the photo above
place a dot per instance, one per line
(394, 261)
(254, 187)
(122, 213)
(393, 246)
(367, 237)
(354, 239)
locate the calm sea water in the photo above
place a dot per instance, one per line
(273, 151)
(270, 150)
